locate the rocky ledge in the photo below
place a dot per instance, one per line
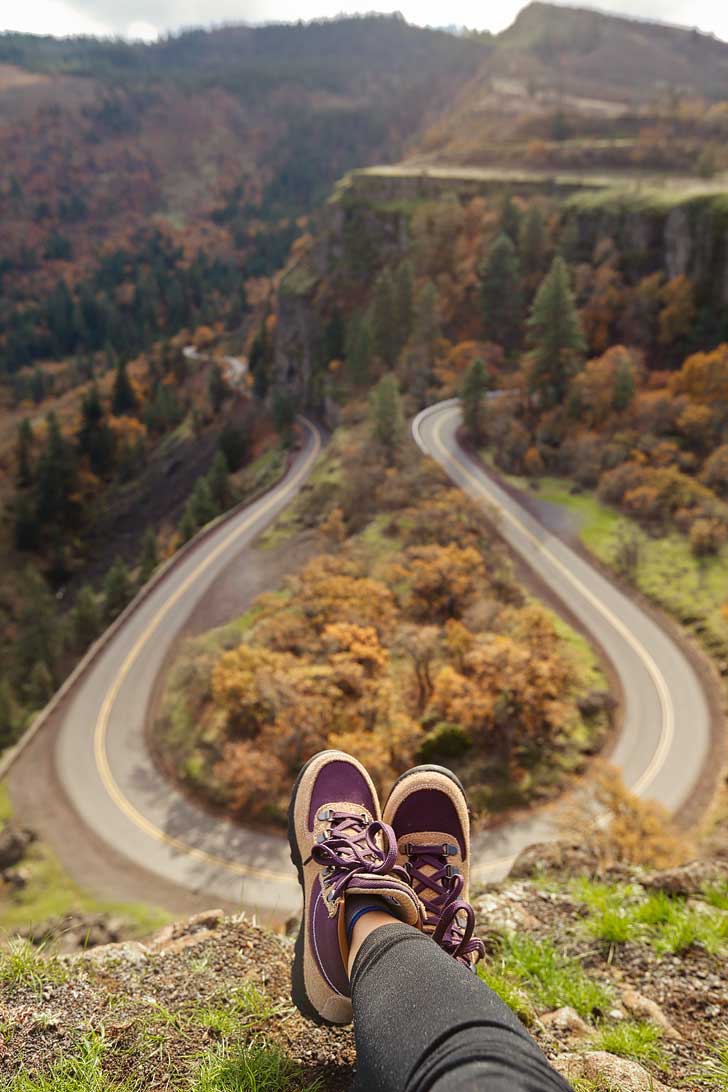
(621, 977)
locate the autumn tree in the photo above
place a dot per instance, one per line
(555, 337)
(475, 388)
(443, 580)
(501, 295)
(386, 414)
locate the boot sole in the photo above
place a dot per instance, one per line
(298, 983)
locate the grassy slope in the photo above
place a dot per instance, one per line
(51, 893)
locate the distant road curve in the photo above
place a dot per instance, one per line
(106, 771)
(665, 740)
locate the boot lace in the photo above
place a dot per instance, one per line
(450, 920)
(353, 844)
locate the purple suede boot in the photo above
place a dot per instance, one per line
(340, 847)
(428, 812)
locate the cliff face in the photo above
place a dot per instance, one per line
(686, 237)
(365, 225)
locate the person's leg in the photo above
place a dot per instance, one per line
(422, 1021)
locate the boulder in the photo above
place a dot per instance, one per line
(608, 1071)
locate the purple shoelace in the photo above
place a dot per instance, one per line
(350, 847)
(450, 920)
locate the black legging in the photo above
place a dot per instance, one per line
(423, 1021)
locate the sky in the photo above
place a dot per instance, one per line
(146, 19)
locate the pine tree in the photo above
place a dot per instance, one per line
(474, 389)
(57, 476)
(27, 524)
(234, 442)
(123, 399)
(624, 386)
(117, 589)
(202, 504)
(555, 337)
(39, 634)
(386, 414)
(358, 348)
(501, 295)
(150, 556)
(25, 441)
(284, 414)
(39, 687)
(95, 438)
(385, 334)
(219, 481)
(187, 525)
(532, 243)
(8, 714)
(404, 301)
(510, 219)
(86, 618)
(426, 326)
(217, 388)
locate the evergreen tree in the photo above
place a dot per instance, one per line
(219, 482)
(217, 388)
(150, 555)
(234, 443)
(501, 295)
(474, 389)
(624, 386)
(57, 477)
(25, 441)
(386, 414)
(39, 634)
(86, 619)
(532, 243)
(8, 714)
(385, 331)
(187, 525)
(358, 348)
(284, 414)
(117, 589)
(333, 347)
(39, 687)
(426, 326)
(510, 219)
(95, 438)
(404, 301)
(27, 525)
(38, 386)
(123, 399)
(202, 504)
(555, 337)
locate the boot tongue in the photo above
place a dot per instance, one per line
(434, 876)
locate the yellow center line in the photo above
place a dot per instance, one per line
(667, 723)
(102, 723)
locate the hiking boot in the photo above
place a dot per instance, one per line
(340, 847)
(428, 812)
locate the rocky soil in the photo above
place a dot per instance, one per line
(618, 1002)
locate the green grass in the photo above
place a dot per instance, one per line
(78, 1072)
(247, 1005)
(24, 967)
(50, 892)
(714, 1071)
(632, 1039)
(536, 974)
(254, 1068)
(620, 913)
(692, 589)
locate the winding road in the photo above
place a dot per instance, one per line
(106, 771)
